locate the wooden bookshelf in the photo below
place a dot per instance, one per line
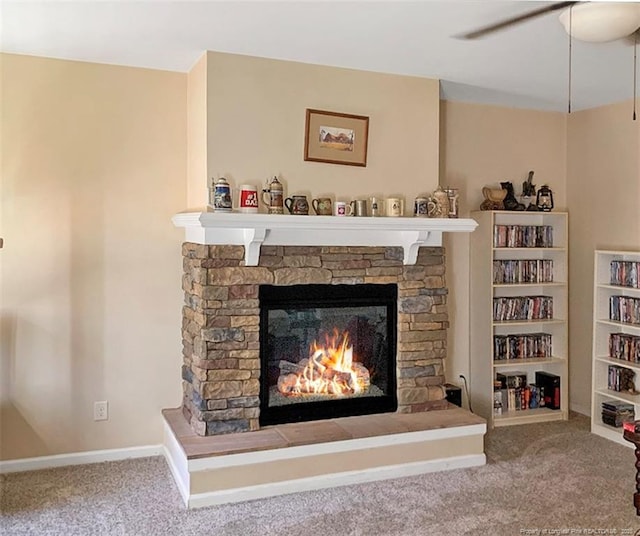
(484, 287)
(603, 327)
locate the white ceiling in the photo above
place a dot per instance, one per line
(525, 66)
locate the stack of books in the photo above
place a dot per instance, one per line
(616, 412)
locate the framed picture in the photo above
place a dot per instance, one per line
(336, 138)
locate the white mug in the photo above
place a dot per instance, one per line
(343, 208)
(395, 206)
(248, 198)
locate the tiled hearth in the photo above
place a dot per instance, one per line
(216, 448)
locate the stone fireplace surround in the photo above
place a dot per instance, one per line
(226, 258)
(221, 361)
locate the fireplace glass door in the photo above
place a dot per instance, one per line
(327, 351)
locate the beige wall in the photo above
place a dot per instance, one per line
(603, 189)
(94, 163)
(257, 118)
(93, 168)
(482, 146)
(197, 193)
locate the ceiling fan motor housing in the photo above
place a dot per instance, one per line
(599, 22)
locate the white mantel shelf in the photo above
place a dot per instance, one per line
(253, 230)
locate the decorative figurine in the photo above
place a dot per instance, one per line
(529, 192)
(510, 201)
(493, 198)
(528, 188)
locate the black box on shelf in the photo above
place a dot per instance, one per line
(550, 387)
(512, 380)
(454, 394)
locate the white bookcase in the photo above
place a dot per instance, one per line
(603, 327)
(484, 366)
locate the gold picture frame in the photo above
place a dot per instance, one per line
(336, 138)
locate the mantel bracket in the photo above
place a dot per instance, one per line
(412, 241)
(253, 239)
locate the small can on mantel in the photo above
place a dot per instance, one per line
(222, 196)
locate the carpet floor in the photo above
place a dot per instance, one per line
(550, 478)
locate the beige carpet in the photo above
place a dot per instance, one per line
(553, 478)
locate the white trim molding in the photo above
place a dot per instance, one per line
(79, 458)
(253, 230)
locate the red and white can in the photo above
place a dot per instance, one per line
(248, 199)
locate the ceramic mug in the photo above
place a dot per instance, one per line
(248, 199)
(376, 206)
(395, 206)
(343, 208)
(359, 207)
(421, 207)
(297, 204)
(322, 206)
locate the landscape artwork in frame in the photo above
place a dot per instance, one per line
(336, 138)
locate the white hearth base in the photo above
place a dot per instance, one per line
(228, 478)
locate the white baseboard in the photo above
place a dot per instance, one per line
(583, 410)
(79, 458)
(199, 500)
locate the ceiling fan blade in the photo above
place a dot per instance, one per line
(481, 32)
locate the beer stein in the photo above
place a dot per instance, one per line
(297, 204)
(421, 207)
(273, 196)
(322, 206)
(441, 201)
(222, 196)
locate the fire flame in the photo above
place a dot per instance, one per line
(330, 369)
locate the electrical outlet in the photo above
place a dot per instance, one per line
(101, 410)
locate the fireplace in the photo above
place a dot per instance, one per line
(327, 351)
(224, 333)
(242, 269)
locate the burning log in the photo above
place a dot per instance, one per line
(287, 383)
(293, 368)
(317, 375)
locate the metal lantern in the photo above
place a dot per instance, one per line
(544, 198)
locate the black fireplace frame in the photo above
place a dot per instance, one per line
(325, 296)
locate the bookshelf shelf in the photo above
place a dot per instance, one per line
(514, 276)
(621, 362)
(628, 291)
(526, 362)
(606, 331)
(608, 432)
(618, 395)
(527, 416)
(528, 285)
(516, 250)
(530, 322)
(624, 326)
